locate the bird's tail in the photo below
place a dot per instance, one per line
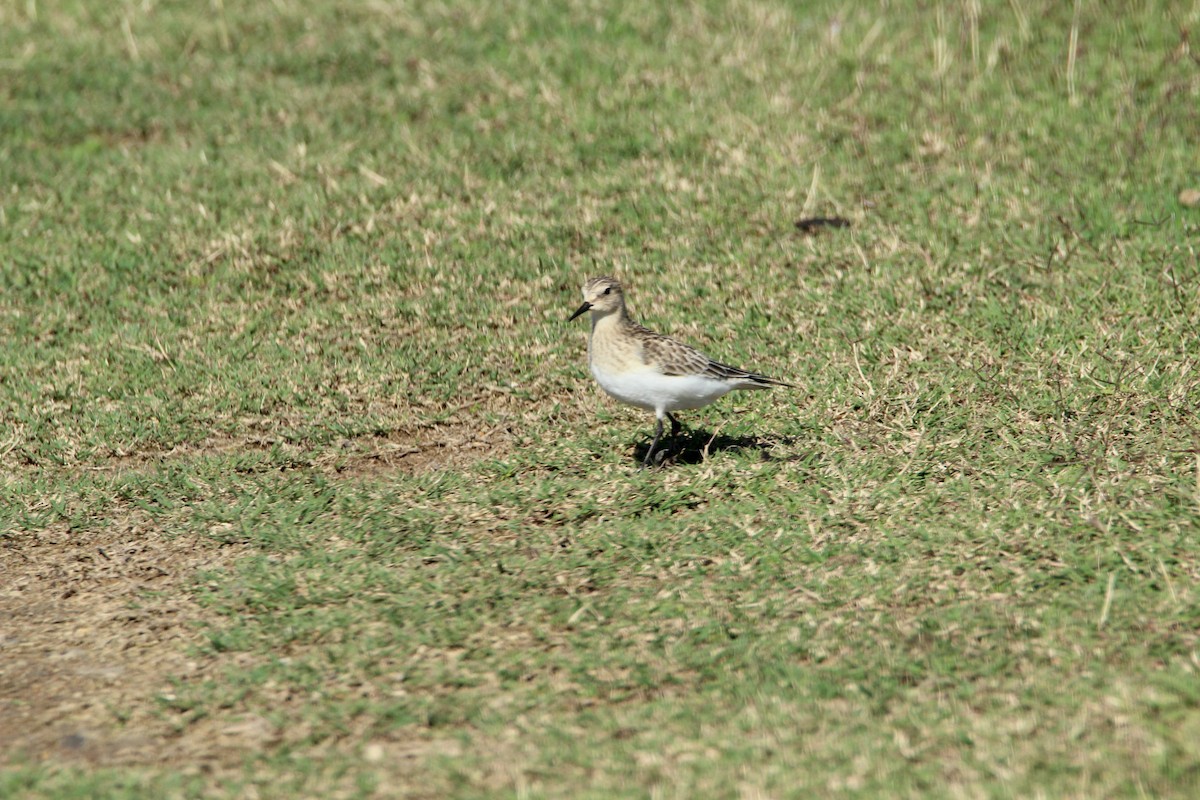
(742, 379)
(753, 381)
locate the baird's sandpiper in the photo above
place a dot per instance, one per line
(649, 370)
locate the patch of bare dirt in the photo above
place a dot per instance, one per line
(450, 445)
(437, 447)
(93, 626)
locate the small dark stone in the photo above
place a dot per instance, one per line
(813, 224)
(74, 741)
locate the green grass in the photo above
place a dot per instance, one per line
(254, 255)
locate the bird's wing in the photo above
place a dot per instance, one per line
(670, 356)
(676, 358)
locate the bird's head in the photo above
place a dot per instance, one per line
(601, 296)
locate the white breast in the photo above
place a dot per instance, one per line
(649, 389)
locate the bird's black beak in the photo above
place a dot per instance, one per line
(579, 311)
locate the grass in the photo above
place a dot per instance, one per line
(287, 284)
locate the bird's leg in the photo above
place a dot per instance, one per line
(675, 426)
(653, 444)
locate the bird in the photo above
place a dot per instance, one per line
(649, 370)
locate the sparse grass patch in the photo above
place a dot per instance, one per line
(306, 491)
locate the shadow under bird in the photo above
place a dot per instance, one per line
(649, 370)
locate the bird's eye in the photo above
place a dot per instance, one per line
(608, 290)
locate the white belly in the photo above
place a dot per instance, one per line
(656, 392)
